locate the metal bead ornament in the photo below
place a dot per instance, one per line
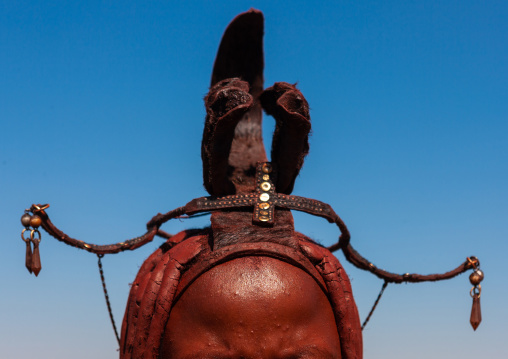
(32, 254)
(265, 191)
(476, 278)
(25, 221)
(35, 221)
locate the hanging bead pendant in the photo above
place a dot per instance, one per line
(476, 311)
(28, 257)
(36, 258)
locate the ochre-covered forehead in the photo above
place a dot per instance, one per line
(252, 307)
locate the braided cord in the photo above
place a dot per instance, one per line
(103, 280)
(385, 284)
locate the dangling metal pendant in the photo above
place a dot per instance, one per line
(28, 253)
(25, 221)
(476, 312)
(36, 258)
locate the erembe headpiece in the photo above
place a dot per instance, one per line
(250, 202)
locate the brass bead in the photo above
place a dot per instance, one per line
(263, 219)
(266, 177)
(264, 205)
(263, 213)
(476, 277)
(25, 220)
(264, 197)
(35, 221)
(265, 186)
(267, 168)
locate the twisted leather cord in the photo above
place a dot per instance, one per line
(131, 244)
(360, 262)
(207, 204)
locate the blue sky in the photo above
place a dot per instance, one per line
(101, 115)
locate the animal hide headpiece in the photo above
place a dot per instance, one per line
(249, 217)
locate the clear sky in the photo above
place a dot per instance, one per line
(101, 115)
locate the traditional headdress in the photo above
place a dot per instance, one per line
(250, 202)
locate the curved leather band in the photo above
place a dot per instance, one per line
(208, 259)
(211, 203)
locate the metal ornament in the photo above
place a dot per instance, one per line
(28, 252)
(476, 311)
(36, 258)
(25, 221)
(264, 208)
(32, 257)
(476, 278)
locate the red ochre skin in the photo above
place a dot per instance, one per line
(252, 308)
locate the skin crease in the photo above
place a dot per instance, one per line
(252, 308)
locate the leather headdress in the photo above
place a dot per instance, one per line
(236, 171)
(250, 202)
